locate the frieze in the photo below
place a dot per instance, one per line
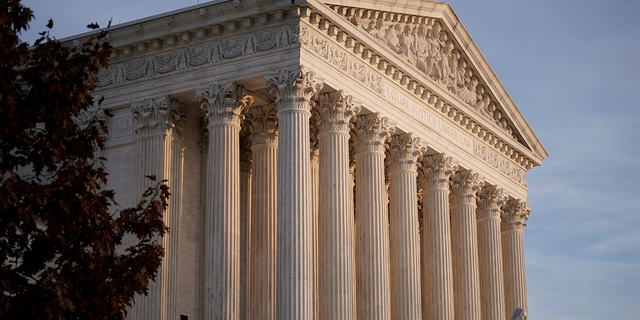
(375, 81)
(342, 59)
(499, 162)
(151, 66)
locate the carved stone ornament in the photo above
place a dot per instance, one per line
(223, 104)
(372, 132)
(264, 125)
(490, 201)
(514, 215)
(437, 170)
(292, 90)
(336, 110)
(430, 48)
(199, 55)
(464, 188)
(404, 152)
(162, 115)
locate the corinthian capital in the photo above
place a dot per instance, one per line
(437, 170)
(371, 133)
(264, 125)
(404, 152)
(514, 215)
(465, 186)
(336, 110)
(292, 90)
(162, 115)
(223, 104)
(490, 200)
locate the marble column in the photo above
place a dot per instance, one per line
(436, 244)
(372, 219)
(264, 197)
(515, 282)
(245, 225)
(222, 105)
(159, 126)
(404, 152)
(464, 238)
(490, 201)
(292, 91)
(335, 215)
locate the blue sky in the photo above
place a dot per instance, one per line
(573, 69)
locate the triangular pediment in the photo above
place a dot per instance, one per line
(428, 37)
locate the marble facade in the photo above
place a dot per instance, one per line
(333, 159)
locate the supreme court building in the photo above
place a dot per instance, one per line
(333, 159)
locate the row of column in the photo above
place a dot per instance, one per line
(460, 275)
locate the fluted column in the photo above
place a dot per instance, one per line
(159, 127)
(264, 199)
(372, 132)
(335, 215)
(436, 246)
(515, 281)
(292, 92)
(404, 152)
(464, 238)
(245, 226)
(222, 106)
(490, 201)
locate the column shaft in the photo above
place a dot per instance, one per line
(150, 162)
(436, 247)
(490, 253)
(264, 215)
(160, 153)
(372, 219)
(294, 218)
(404, 151)
(464, 238)
(222, 106)
(373, 238)
(292, 92)
(222, 268)
(515, 282)
(245, 228)
(173, 159)
(335, 217)
(405, 253)
(335, 229)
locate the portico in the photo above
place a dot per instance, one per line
(336, 159)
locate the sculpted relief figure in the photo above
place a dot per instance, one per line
(421, 48)
(376, 28)
(435, 53)
(452, 79)
(428, 48)
(392, 36)
(407, 40)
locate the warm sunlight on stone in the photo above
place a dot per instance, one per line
(329, 160)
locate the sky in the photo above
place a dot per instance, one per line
(573, 69)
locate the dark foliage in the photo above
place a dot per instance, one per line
(58, 229)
